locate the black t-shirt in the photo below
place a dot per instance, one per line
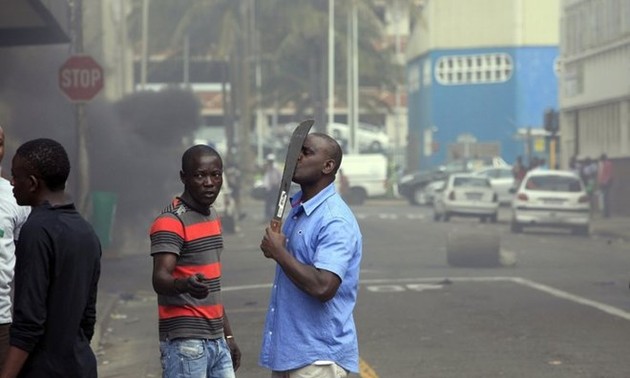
(56, 281)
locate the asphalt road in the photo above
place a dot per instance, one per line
(559, 308)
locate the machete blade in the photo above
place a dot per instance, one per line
(293, 153)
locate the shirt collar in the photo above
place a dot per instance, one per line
(312, 204)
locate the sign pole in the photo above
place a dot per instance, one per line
(82, 181)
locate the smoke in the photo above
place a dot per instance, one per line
(134, 145)
(136, 153)
(31, 104)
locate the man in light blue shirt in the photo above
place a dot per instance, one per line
(309, 328)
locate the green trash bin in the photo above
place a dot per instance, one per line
(103, 213)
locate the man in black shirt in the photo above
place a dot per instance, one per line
(56, 272)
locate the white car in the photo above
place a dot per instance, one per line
(548, 198)
(371, 138)
(466, 194)
(502, 181)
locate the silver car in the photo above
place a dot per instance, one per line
(466, 195)
(551, 199)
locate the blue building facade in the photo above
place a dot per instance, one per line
(487, 93)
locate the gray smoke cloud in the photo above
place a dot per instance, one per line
(134, 145)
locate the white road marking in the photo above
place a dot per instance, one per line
(440, 281)
(415, 216)
(388, 216)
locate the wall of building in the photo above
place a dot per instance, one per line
(594, 93)
(469, 76)
(452, 24)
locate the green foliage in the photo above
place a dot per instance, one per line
(293, 42)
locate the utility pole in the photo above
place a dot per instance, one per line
(258, 82)
(145, 44)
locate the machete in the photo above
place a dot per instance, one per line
(293, 153)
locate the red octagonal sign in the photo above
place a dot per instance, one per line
(80, 78)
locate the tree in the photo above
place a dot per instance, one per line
(292, 36)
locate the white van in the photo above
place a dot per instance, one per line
(366, 175)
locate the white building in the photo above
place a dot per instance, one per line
(594, 93)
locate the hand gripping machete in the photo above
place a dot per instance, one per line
(293, 153)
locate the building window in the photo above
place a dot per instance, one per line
(474, 69)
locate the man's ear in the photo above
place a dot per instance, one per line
(34, 183)
(182, 175)
(329, 166)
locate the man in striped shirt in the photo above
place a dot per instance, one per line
(196, 339)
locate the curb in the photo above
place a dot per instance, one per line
(102, 318)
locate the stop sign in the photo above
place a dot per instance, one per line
(80, 78)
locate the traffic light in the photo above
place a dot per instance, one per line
(550, 121)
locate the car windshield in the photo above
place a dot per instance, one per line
(471, 181)
(553, 183)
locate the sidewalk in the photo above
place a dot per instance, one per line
(613, 227)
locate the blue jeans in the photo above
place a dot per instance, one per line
(196, 358)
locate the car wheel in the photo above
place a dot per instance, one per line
(580, 230)
(356, 196)
(375, 147)
(436, 217)
(419, 197)
(483, 219)
(493, 218)
(515, 227)
(447, 217)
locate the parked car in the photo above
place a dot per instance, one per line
(430, 191)
(551, 199)
(466, 194)
(371, 138)
(411, 185)
(502, 180)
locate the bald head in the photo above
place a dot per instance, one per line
(333, 149)
(190, 156)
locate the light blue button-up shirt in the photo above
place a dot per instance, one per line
(300, 329)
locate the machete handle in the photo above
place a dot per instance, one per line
(276, 225)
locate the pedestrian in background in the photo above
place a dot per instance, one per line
(56, 272)
(12, 217)
(271, 182)
(309, 329)
(588, 173)
(604, 182)
(196, 339)
(518, 171)
(575, 165)
(235, 180)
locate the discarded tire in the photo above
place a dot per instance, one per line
(467, 249)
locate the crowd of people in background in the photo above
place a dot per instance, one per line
(596, 174)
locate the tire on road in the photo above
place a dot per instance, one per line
(473, 249)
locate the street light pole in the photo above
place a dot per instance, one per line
(355, 79)
(331, 61)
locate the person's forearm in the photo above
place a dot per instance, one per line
(227, 328)
(16, 358)
(167, 285)
(309, 279)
